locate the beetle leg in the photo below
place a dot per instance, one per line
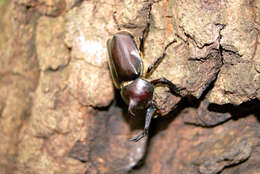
(149, 114)
(116, 22)
(146, 29)
(141, 39)
(176, 90)
(155, 63)
(159, 59)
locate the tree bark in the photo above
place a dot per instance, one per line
(59, 111)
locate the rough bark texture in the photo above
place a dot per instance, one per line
(59, 112)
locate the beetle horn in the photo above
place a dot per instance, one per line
(132, 105)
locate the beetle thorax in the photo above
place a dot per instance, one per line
(139, 92)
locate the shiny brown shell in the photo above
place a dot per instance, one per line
(125, 62)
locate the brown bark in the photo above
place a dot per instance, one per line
(59, 112)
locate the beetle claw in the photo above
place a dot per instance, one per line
(138, 137)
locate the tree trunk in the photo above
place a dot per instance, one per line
(59, 111)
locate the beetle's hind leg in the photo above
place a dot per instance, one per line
(149, 115)
(144, 32)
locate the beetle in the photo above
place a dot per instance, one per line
(126, 68)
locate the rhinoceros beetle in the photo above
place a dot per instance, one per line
(126, 68)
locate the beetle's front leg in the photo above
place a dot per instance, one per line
(149, 115)
(174, 88)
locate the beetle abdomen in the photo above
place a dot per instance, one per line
(124, 59)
